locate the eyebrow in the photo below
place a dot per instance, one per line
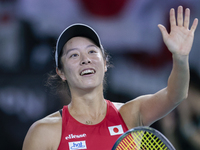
(70, 50)
(92, 45)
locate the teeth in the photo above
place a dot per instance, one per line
(87, 72)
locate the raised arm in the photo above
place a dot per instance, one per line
(179, 42)
(150, 108)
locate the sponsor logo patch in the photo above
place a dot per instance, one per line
(77, 145)
(116, 130)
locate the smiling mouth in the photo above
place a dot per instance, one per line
(87, 72)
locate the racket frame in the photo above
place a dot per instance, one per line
(147, 129)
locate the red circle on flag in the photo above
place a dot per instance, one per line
(115, 130)
(104, 8)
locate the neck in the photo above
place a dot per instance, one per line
(87, 104)
(87, 111)
(87, 101)
(88, 96)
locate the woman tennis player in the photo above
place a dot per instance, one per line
(91, 122)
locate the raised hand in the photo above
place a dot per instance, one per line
(180, 39)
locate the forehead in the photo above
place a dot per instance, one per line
(76, 42)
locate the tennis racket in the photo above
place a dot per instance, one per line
(142, 138)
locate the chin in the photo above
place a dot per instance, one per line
(91, 86)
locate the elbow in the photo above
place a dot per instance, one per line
(180, 99)
(175, 98)
(186, 96)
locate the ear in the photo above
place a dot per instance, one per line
(105, 66)
(61, 74)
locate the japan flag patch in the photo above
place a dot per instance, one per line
(116, 130)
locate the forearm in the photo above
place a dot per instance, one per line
(178, 82)
(179, 42)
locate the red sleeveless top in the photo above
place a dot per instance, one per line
(101, 136)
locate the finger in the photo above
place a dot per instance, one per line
(187, 18)
(163, 31)
(172, 18)
(180, 16)
(194, 25)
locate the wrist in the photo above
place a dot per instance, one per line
(179, 56)
(180, 59)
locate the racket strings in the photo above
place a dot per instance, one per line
(131, 142)
(152, 142)
(141, 140)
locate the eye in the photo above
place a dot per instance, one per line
(92, 51)
(73, 55)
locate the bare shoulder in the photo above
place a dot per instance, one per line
(130, 112)
(44, 134)
(134, 104)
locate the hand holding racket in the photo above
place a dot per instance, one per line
(142, 138)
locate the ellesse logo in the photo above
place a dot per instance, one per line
(73, 136)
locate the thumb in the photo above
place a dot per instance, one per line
(163, 31)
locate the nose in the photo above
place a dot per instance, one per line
(85, 60)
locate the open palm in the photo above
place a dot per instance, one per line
(180, 39)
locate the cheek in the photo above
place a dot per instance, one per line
(99, 58)
(68, 71)
(103, 64)
(67, 66)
